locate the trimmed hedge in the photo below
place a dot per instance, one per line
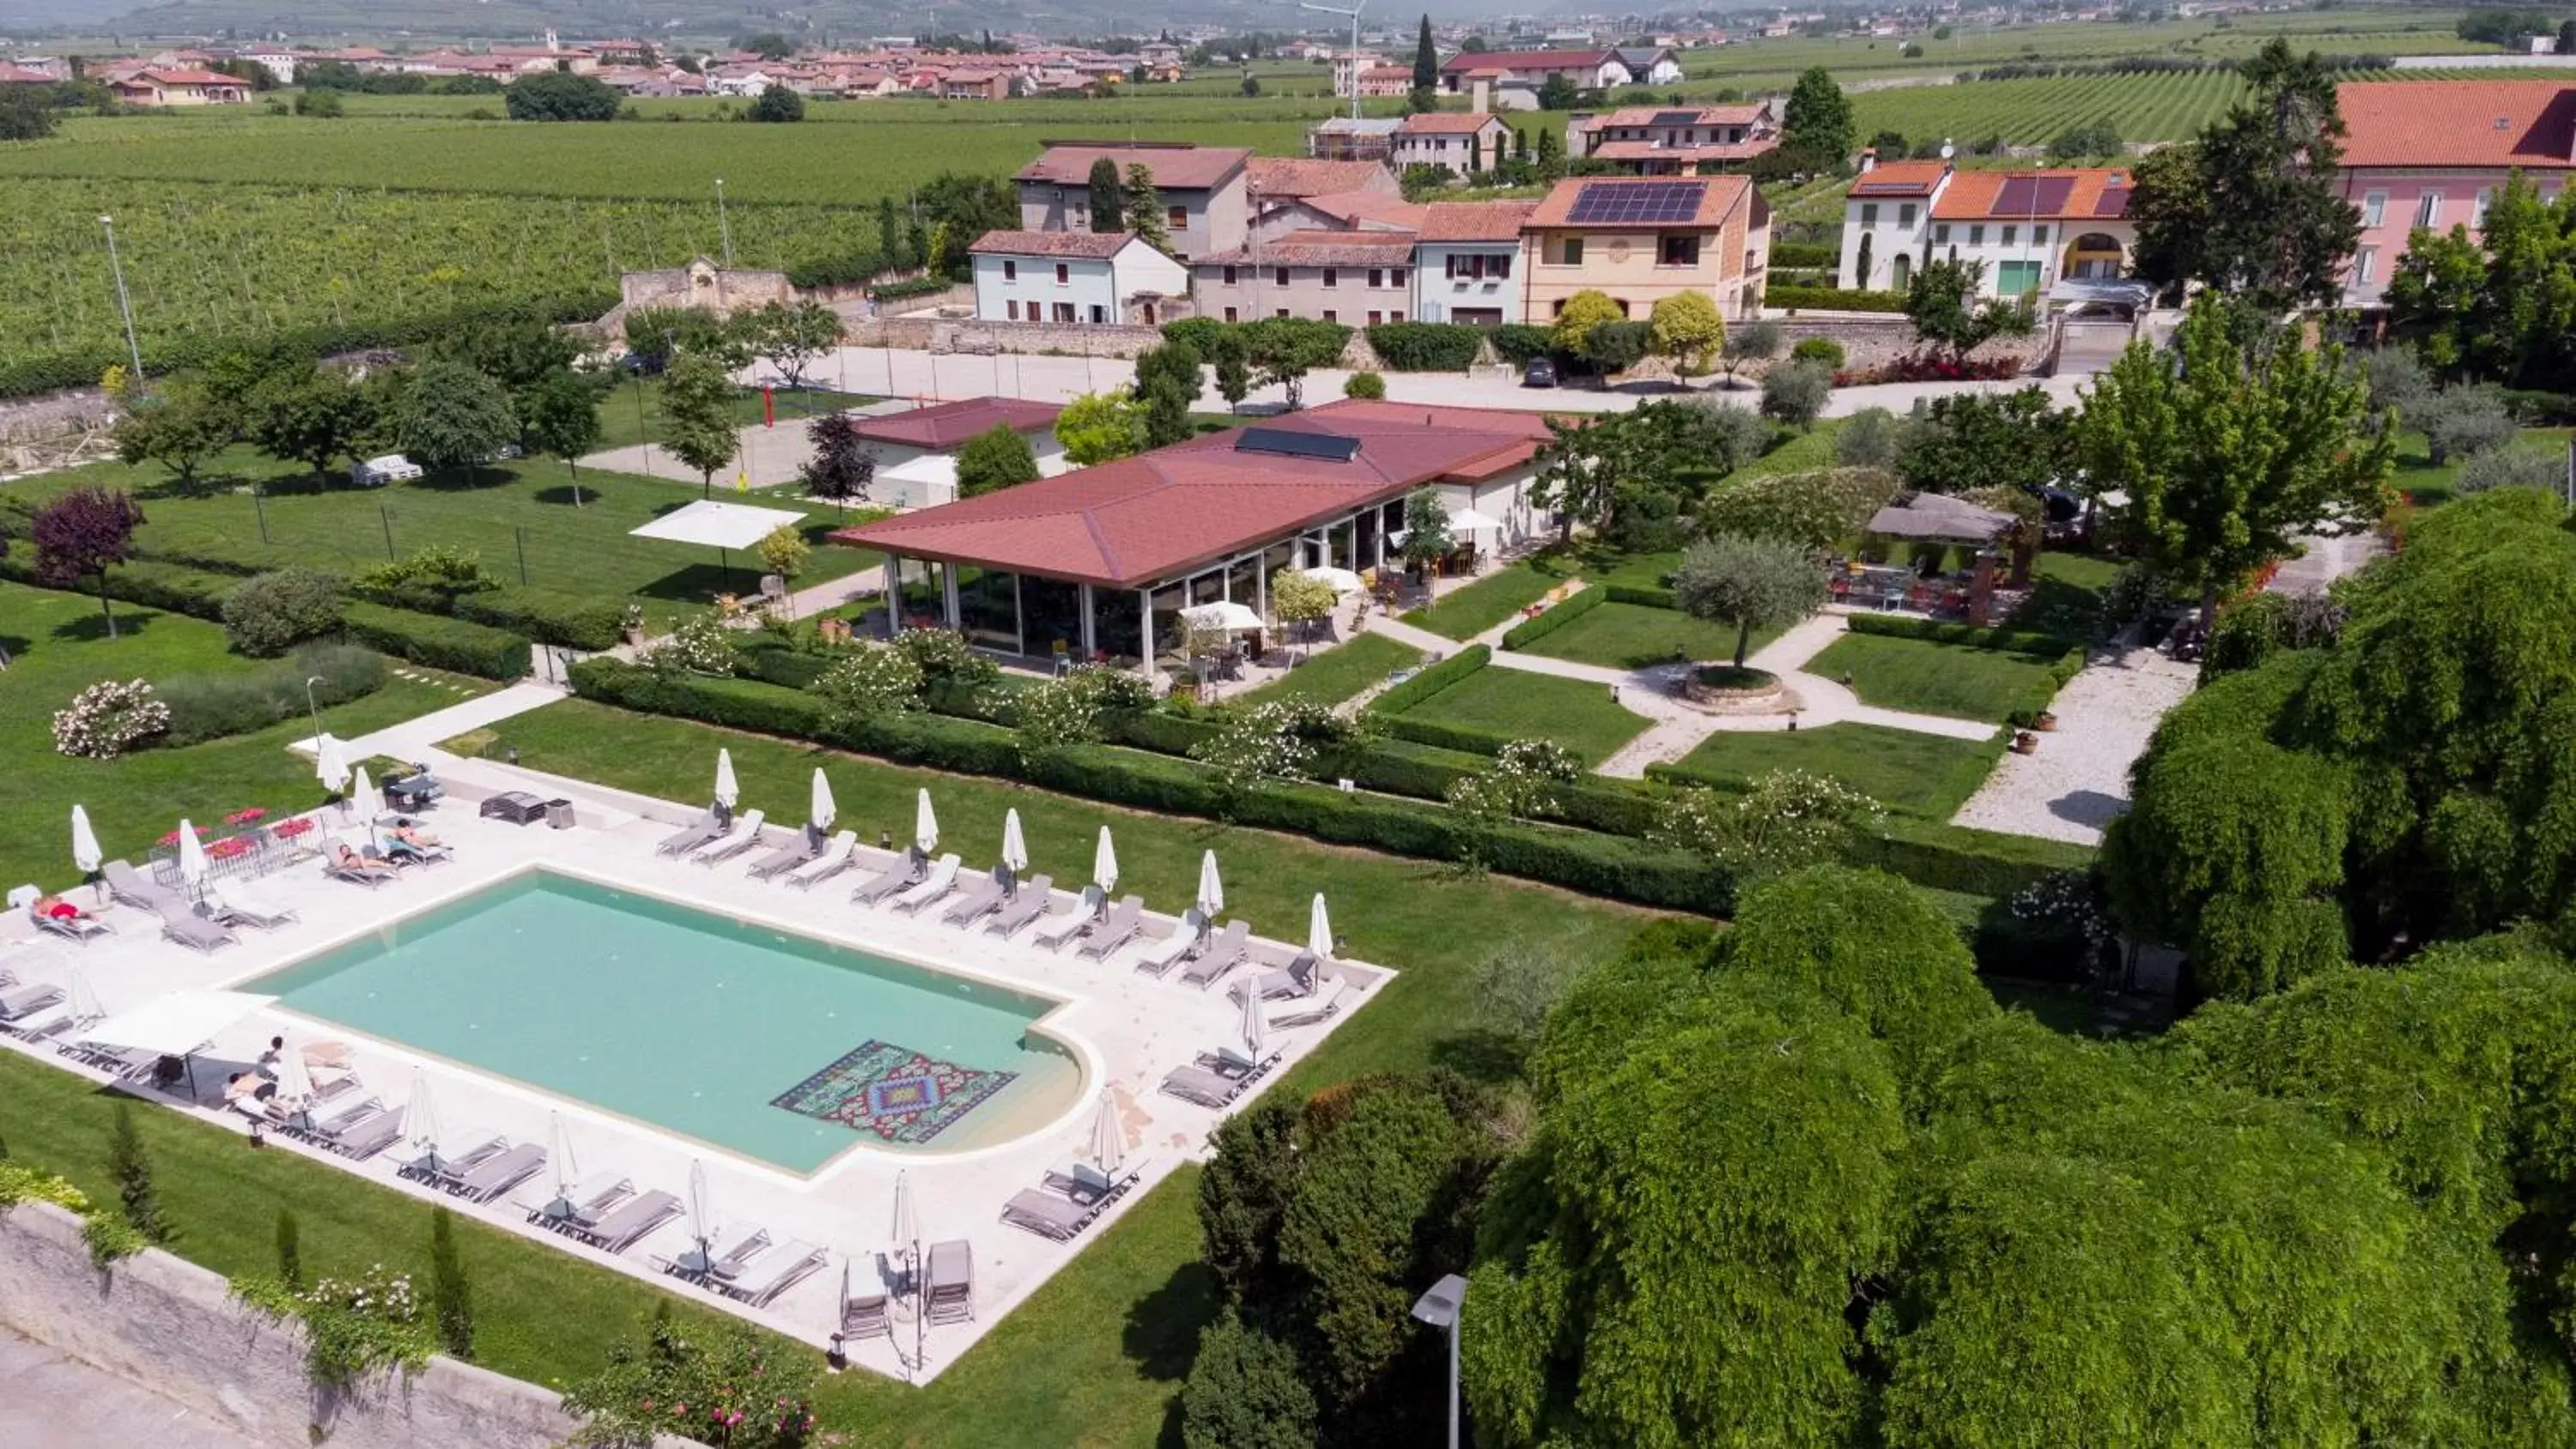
(215, 706)
(1426, 346)
(1432, 680)
(179, 590)
(546, 615)
(1519, 343)
(439, 643)
(1640, 594)
(1833, 299)
(1611, 866)
(1441, 734)
(1956, 858)
(1530, 631)
(1806, 254)
(1933, 631)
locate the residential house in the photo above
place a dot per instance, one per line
(1288, 193)
(155, 87)
(1349, 63)
(51, 67)
(19, 75)
(1074, 278)
(624, 50)
(917, 449)
(1203, 189)
(2433, 154)
(1650, 65)
(1458, 143)
(1588, 70)
(1467, 263)
(1379, 82)
(1640, 240)
(1334, 211)
(1676, 140)
(2030, 229)
(1359, 278)
(1341, 138)
(277, 60)
(975, 85)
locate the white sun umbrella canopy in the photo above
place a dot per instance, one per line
(1256, 1026)
(1015, 843)
(702, 1218)
(1340, 581)
(907, 1219)
(1319, 930)
(421, 1114)
(294, 1078)
(925, 824)
(1211, 888)
(821, 808)
(559, 1150)
(728, 789)
(331, 764)
(1104, 864)
(1220, 617)
(1108, 1136)
(192, 855)
(85, 851)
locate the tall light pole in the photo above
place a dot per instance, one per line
(723, 226)
(315, 708)
(1354, 12)
(124, 305)
(1439, 1307)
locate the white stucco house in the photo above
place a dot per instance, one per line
(1074, 279)
(1466, 263)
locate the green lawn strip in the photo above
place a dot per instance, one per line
(522, 510)
(1927, 678)
(1339, 672)
(58, 645)
(1801, 453)
(1927, 775)
(622, 426)
(1518, 704)
(1468, 612)
(1636, 636)
(1635, 570)
(2066, 593)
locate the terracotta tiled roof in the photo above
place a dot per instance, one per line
(1377, 208)
(1722, 195)
(1899, 178)
(191, 77)
(2500, 123)
(2095, 193)
(1175, 168)
(1743, 115)
(946, 425)
(1448, 221)
(1447, 123)
(1296, 176)
(1146, 518)
(1101, 244)
(1524, 60)
(17, 75)
(1322, 249)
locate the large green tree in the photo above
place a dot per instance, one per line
(1108, 197)
(2499, 306)
(1426, 59)
(1167, 388)
(314, 416)
(1944, 301)
(1818, 117)
(451, 416)
(179, 428)
(697, 416)
(1750, 583)
(1966, 441)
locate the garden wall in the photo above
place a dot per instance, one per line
(172, 1326)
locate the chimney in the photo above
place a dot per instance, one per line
(1480, 97)
(1868, 159)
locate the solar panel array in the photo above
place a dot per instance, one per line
(2033, 195)
(1676, 118)
(1889, 188)
(1329, 447)
(2114, 201)
(1657, 201)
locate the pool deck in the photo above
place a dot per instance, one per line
(1128, 1028)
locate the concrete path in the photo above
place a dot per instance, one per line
(413, 738)
(51, 1401)
(2079, 778)
(2326, 559)
(771, 454)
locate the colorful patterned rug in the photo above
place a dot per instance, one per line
(895, 1092)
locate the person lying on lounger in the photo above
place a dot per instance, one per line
(347, 859)
(56, 908)
(411, 834)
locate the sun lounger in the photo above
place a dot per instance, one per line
(409, 852)
(71, 928)
(1083, 1182)
(771, 1273)
(41, 1027)
(1200, 1085)
(318, 1122)
(22, 1002)
(886, 882)
(631, 1221)
(367, 1135)
(129, 887)
(986, 896)
(498, 1174)
(357, 869)
(1297, 978)
(1115, 929)
(1326, 1010)
(439, 1169)
(949, 1293)
(233, 904)
(941, 880)
(585, 1202)
(1222, 955)
(1054, 933)
(863, 1315)
(710, 826)
(807, 846)
(1163, 955)
(1048, 1214)
(194, 931)
(836, 858)
(1025, 905)
(1234, 1066)
(726, 847)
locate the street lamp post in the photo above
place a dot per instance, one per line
(124, 305)
(315, 709)
(724, 227)
(1439, 1307)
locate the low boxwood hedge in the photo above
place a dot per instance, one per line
(1530, 631)
(1642, 595)
(548, 616)
(437, 642)
(1935, 631)
(1431, 680)
(1426, 346)
(1833, 299)
(1443, 735)
(140, 581)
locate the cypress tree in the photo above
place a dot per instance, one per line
(290, 1252)
(449, 1296)
(133, 1172)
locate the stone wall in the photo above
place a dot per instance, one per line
(940, 334)
(705, 285)
(1875, 341)
(173, 1327)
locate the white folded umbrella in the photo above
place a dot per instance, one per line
(1256, 1030)
(1220, 617)
(925, 824)
(85, 851)
(1015, 845)
(823, 808)
(728, 790)
(331, 764)
(192, 855)
(362, 791)
(1108, 1135)
(1319, 929)
(1211, 889)
(1104, 864)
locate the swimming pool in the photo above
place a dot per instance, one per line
(776, 1046)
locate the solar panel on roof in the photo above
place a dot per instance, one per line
(2114, 201)
(2033, 195)
(1661, 201)
(1330, 447)
(1676, 118)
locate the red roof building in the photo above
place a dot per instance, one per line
(2432, 154)
(942, 426)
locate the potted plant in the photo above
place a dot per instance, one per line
(633, 623)
(2046, 720)
(2025, 743)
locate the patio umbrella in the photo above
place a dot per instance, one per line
(331, 764)
(1340, 581)
(294, 1079)
(85, 851)
(1319, 930)
(1220, 617)
(192, 856)
(925, 824)
(1211, 889)
(1108, 1137)
(422, 1115)
(361, 790)
(728, 790)
(822, 808)
(907, 1228)
(1256, 1029)
(559, 1149)
(1104, 864)
(702, 1219)
(1015, 845)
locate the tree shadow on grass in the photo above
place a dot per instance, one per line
(92, 628)
(700, 583)
(204, 485)
(571, 493)
(464, 480)
(1162, 1334)
(2058, 607)
(13, 647)
(1480, 1055)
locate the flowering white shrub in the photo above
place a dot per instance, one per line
(870, 680)
(353, 1326)
(108, 718)
(700, 645)
(1784, 820)
(2069, 901)
(1267, 742)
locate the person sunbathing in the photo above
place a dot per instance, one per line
(413, 835)
(347, 859)
(56, 908)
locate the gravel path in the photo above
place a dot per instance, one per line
(2079, 779)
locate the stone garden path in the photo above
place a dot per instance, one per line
(2078, 779)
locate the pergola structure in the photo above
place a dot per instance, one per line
(1100, 563)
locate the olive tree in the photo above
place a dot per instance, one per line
(1751, 583)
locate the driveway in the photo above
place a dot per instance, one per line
(50, 1401)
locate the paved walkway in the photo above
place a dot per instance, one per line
(51, 1401)
(416, 737)
(2326, 559)
(2079, 778)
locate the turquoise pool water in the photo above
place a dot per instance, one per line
(772, 1045)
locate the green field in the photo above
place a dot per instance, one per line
(1927, 775)
(1517, 704)
(1470, 611)
(1338, 673)
(1929, 678)
(1637, 636)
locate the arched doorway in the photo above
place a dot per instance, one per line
(2093, 257)
(1900, 272)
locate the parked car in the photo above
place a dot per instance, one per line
(377, 472)
(1541, 372)
(640, 364)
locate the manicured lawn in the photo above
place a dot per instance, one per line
(2066, 594)
(620, 425)
(507, 513)
(1636, 636)
(1575, 713)
(58, 645)
(1928, 775)
(1638, 570)
(1471, 611)
(1929, 678)
(1341, 671)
